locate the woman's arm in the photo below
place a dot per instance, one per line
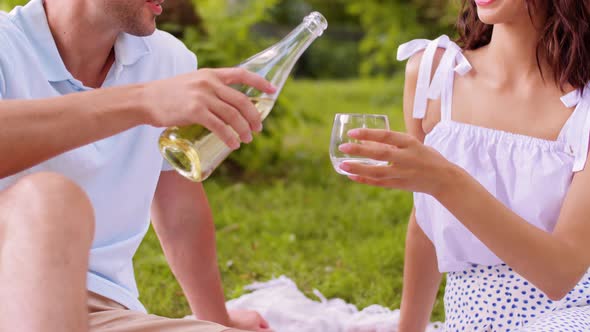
(421, 275)
(554, 262)
(421, 280)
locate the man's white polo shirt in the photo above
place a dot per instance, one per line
(119, 173)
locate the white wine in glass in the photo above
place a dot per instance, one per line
(343, 123)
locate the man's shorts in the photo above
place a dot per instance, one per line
(108, 316)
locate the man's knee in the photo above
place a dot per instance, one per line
(51, 200)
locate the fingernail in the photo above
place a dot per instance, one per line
(345, 167)
(258, 128)
(346, 147)
(353, 132)
(248, 138)
(272, 88)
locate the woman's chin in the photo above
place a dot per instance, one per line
(490, 18)
(498, 12)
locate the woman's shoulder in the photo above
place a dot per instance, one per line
(415, 61)
(416, 50)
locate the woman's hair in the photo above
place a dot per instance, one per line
(564, 41)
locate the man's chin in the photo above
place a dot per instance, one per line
(144, 31)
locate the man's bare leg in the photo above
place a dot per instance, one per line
(46, 230)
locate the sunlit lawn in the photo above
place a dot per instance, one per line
(291, 214)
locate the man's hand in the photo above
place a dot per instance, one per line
(248, 320)
(204, 97)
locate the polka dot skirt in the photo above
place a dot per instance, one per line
(497, 299)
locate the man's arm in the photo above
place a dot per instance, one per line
(184, 224)
(32, 131)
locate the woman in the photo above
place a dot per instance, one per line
(497, 158)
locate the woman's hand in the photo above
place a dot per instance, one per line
(412, 165)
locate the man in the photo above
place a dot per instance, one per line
(80, 167)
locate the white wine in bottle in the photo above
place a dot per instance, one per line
(194, 151)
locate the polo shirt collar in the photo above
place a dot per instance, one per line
(33, 21)
(129, 49)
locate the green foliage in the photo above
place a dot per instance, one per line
(294, 215)
(331, 58)
(236, 29)
(384, 24)
(289, 11)
(228, 24)
(388, 24)
(7, 5)
(336, 54)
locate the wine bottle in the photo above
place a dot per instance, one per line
(194, 151)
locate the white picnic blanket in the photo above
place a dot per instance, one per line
(287, 309)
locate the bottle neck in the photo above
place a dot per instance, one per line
(276, 63)
(295, 43)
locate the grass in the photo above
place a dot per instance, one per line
(288, 213)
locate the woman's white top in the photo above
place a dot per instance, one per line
(529, 175)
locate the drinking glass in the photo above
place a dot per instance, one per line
(346, 122)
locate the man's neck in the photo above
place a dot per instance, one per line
(84, 39)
